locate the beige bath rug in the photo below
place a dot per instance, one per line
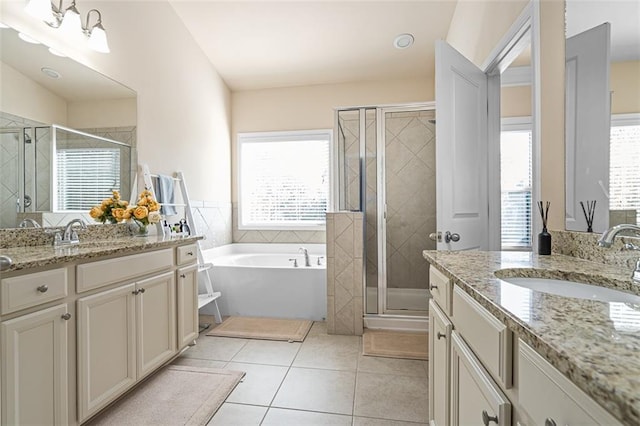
(176, 395)
(395, 344)
(263, 328)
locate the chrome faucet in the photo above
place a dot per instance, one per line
(607, 238)
(25, 223)
(303, 250)
(70, 236)
(610, 234)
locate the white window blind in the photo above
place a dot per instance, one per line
(83, 175)
(515, 181)
(624, 173)
(284, 180)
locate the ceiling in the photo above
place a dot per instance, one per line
(267, 44)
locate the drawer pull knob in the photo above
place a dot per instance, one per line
(549, 422)
(142, 290)
(441, 335)
(183, 276)
(190, 253)
(43, 288)
(486, 418)
(135, 292)
(66, 316)
(433, 287)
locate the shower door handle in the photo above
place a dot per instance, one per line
(436, 236)
(448, 237)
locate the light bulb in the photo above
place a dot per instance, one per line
(71, 23)
(40, 9)
(98, 39)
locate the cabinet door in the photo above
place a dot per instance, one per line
(34, 368)
(106, 347)
(475, 398)
(439, 365)
(187, 289)
(156, 321)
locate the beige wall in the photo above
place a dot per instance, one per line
(106, 113)
(183, 111)
(625, 85)
(21, 96)
(312, 107)
(515, 101)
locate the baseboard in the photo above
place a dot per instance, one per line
(396, 323)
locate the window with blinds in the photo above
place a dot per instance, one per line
(515, 182)
(283, 180)
(83, 175)
(624, 166)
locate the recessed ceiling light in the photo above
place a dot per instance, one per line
(28, 39)
(50, 72)
(403, 41)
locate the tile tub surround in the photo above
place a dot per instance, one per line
(36, 256)
(584, 245)
(581, 338)
(344, 273)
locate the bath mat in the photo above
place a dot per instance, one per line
(176, 395)
(395, 344)
(263, 328)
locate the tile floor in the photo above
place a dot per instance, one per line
(324, 380)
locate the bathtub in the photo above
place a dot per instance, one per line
(259, 280)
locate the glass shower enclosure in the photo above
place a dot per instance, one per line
(385, 167)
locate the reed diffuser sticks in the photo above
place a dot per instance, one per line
(544, 213)
(589, 213)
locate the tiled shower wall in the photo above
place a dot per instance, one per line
(344, 273)
(213, 220)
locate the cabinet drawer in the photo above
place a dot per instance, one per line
(33, 289)
(186, 254)
(97, 274)
(547, 394)
(489, 338)
(440, 287)
(475, 397)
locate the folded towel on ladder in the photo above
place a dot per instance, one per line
(165, 194)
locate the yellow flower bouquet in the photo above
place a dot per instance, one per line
(112, 210)
(145, 212)
(115, 210)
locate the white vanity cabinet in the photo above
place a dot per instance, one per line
(550, 399)
(439, 365)
(187, 295)
(475, 398)
(124, 333)
(34, 372)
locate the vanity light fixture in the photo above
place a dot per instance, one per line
(69, 21)
(403, 41)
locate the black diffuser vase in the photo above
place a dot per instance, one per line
(544, 242)
(544, 238)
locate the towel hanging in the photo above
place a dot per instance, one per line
(165, 195)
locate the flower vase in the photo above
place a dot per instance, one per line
(141, 229)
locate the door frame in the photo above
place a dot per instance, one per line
(381, 195)
(524, 31)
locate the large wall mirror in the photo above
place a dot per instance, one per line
(602, 137)
(67, 134)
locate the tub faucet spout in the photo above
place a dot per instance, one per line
(303, 250)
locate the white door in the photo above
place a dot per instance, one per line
(588, 121)
(461, 151)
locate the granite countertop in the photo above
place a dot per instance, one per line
(595, 344)
(45, 255)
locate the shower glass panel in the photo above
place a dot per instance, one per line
(10, 158)
(409, 180)
(349, 160)
(386, 168)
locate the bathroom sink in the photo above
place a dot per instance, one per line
(573, 289)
